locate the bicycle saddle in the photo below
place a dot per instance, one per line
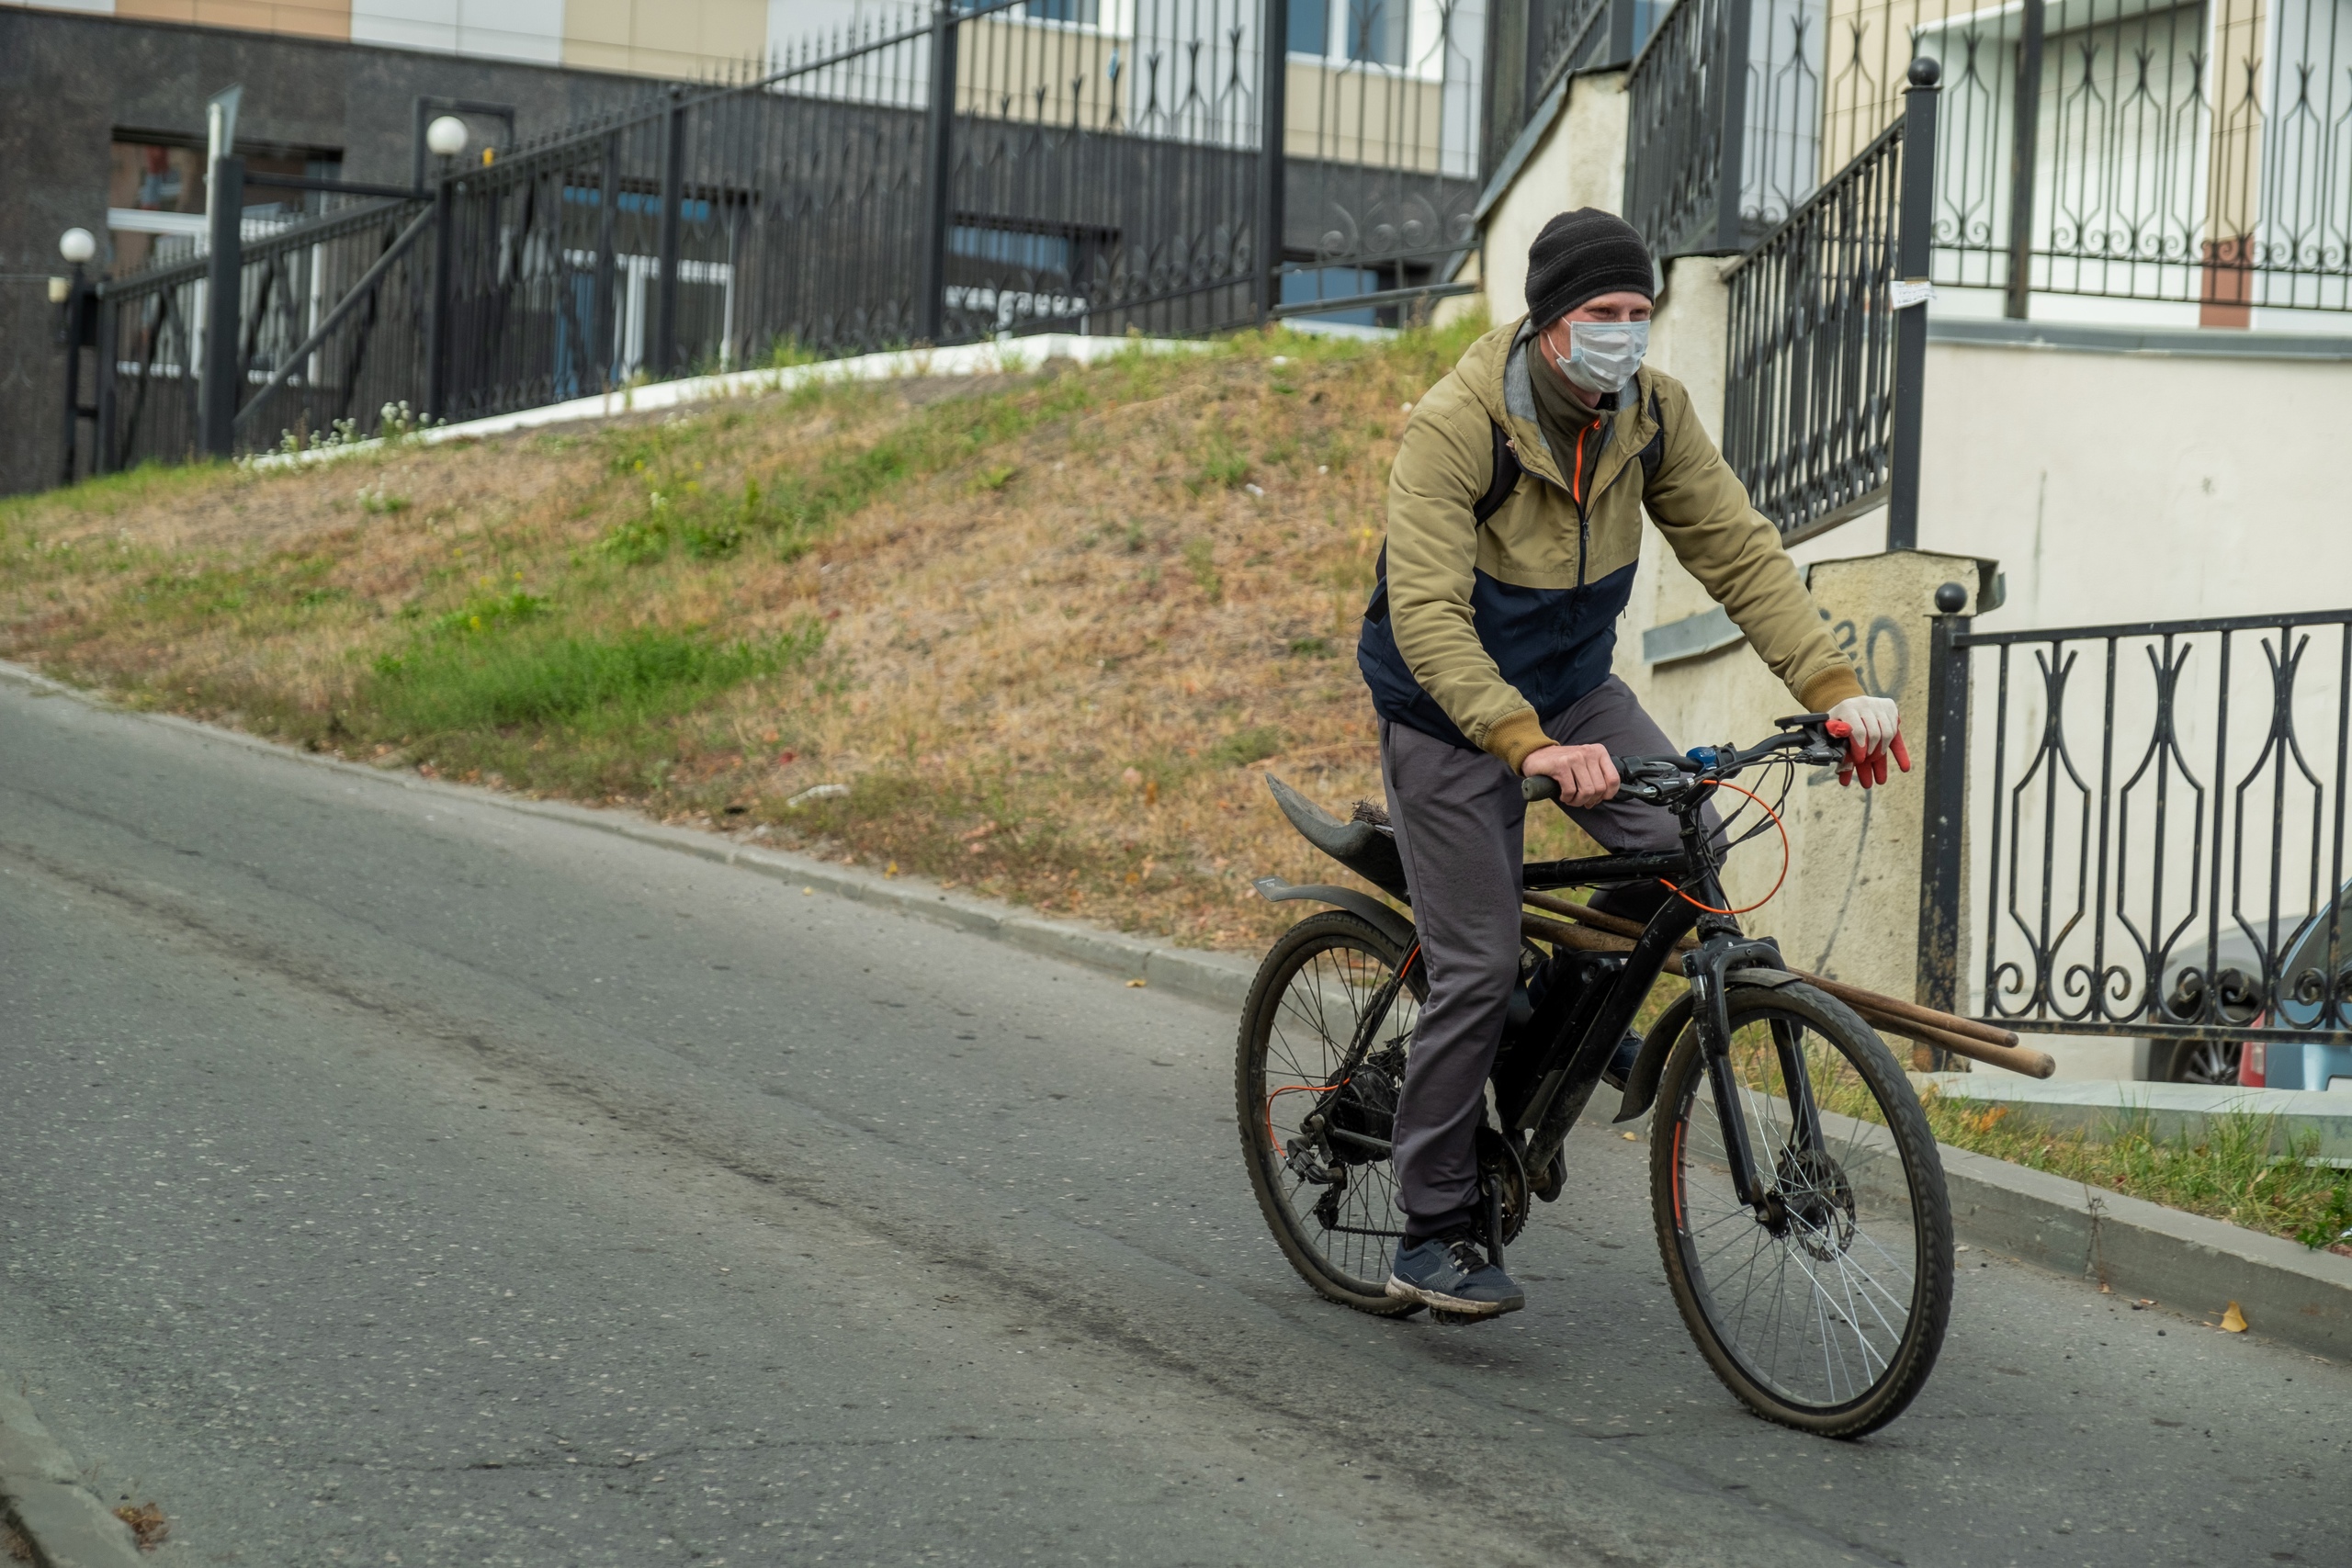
(1368, 849)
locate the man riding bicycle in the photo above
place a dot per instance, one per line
(1514, 526)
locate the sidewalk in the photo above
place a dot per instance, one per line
(63, 1522)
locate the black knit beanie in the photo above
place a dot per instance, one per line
(1581, 256)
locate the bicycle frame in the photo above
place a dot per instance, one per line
(1582, 1024)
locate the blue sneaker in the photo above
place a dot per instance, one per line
(1621, 1066)
(1451, 1273)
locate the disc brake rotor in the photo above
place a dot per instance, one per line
(1818, 1201)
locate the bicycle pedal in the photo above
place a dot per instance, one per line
(1457, 1319)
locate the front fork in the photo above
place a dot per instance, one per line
(1707, 967)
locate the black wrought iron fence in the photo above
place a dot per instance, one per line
(1380, 162)
(299, 366)
(1809, 396)
(2197, 153)
(1828, 339)
(976, 170)
(1687, 96)
(2157, 817)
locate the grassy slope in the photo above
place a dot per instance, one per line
(1047, 629)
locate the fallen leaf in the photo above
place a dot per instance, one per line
(1135, 985)
(2234, 1321)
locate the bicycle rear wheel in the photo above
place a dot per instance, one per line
(1330, 1198)
(1825, 1311)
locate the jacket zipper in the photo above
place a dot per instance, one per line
(1575, 493)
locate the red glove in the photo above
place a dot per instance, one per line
(1871, 768)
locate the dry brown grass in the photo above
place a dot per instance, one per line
(149, 1526)
(1069, 618)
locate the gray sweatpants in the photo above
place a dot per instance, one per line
(1461, 829)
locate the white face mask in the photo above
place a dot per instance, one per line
(1603, 355)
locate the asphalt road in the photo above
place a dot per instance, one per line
(391, 1177)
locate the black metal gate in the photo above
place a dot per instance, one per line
(2152, 817)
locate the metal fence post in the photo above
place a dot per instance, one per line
(223, 284)
(1914, 249)
(1944, 789)
(673, 196)
(78, 300)
(1273, 129)
(436, 327)
(938, 172)
(1732, 172)
(102, 429)
(600, 332)
(2023, 150)
(1622, 16)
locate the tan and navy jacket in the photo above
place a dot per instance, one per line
(1479, 633)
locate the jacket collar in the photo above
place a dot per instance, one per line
(1497, 372)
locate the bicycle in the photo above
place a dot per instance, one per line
(1798, 1198)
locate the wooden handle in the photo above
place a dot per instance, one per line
(1984, 1043)
(2016, 1058)
(1950, 1024)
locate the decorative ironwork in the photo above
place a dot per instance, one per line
(1809, 398)
(1686, 108)
(2197, 153)
(1382, 165)
(2166, 848)
(1563, 35)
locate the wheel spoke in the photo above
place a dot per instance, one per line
(1310, 1026)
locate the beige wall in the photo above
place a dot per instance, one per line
(1364, 117)
(324, 19)
(657, 38)
(1579, 163)
(2139, 487)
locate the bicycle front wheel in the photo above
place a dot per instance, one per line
(1822, 1305)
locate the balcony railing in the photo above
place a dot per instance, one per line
(2199, 154)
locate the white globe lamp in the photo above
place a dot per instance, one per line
(446, 135)
(77, 246)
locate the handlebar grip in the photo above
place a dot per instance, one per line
(1539, 787)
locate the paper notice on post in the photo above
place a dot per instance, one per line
(1903, 293)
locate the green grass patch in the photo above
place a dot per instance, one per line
(533, 674)
(2232, 1173)
(1244, 747)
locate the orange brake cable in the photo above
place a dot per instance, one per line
(1710, 909)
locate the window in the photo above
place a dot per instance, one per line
(1085, 12)
(155, 192)
(1310, 26)
(1311, 285)
(1376, 31)
(1028, 250)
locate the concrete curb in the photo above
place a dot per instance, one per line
(2183, 1260)
(63, 1521)
(2138, 1248)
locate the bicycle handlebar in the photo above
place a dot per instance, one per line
(1816, 738)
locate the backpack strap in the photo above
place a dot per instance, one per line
(1507, 470)
(1505, 479)
(1654, 453)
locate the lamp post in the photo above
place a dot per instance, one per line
(71, 293)
(445, 137)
